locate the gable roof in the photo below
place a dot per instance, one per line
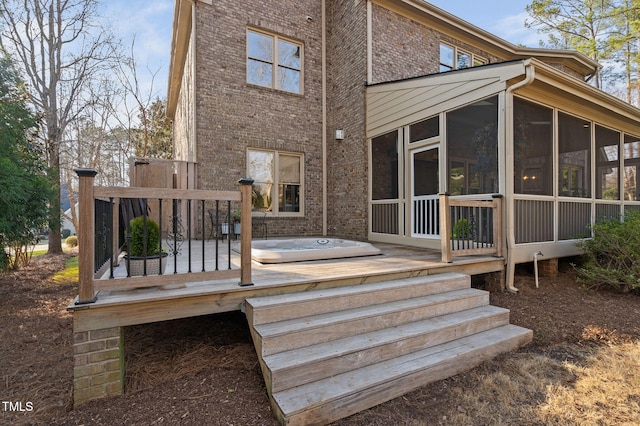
(394, 104)
(426, 13)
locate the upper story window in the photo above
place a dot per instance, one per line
(273, 61)
(452, 58)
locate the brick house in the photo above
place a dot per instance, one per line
(352, 115)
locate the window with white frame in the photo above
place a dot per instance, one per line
(274, 61)
(277, 186)
(452, 58)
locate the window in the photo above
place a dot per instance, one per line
(631, 165)
(463, 177)
(273, 61)
(384, 166)
(607, 164)
(472, 147)
(277, 186)
(426, 129)
(532, 148)
(574, 150)
(452, 58)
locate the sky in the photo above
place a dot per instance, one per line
(151, 22)
(504, 18)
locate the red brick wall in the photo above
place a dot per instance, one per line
(404, 48)
(401, 47)
(347, 159)
(233, 115)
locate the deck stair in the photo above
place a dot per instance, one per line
(327, 354)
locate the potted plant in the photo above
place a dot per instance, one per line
(140, 251)
(462, 230)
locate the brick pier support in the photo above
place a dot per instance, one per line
(496, 281)
(98, 370)
(548, 268)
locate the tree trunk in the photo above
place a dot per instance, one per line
(53, 148)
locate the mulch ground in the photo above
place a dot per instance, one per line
(204, 370)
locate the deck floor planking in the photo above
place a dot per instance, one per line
(136, 306)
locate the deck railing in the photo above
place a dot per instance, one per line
(182, 216)
(469, 227)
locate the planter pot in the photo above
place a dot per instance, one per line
(462, 243)
(135, 264)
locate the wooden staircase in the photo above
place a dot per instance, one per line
(327, 354)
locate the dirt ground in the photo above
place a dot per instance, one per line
(205, 371)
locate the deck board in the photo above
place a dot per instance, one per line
(159, 303)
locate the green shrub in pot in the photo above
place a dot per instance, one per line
(136, 244)
(153, 261)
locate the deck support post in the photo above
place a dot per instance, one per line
(548, 267)
(496, 281)
(86, 235)
(98, 359)
(246, 186)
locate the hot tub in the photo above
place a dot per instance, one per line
(299, 249)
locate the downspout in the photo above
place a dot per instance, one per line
(324, 119)
(194, 103)
(369, 42)
(530, 76)
(595, 74)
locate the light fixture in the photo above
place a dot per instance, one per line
(339, 134)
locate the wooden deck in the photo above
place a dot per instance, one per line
(98, 326)
(117, 308)
(194, 284)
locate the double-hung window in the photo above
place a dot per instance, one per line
(277, 186)
(274, 61)
(452, 58)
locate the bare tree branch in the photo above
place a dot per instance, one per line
(59, 53)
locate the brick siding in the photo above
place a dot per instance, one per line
(233, 116)
(347, 159)
(548, 268)
(98, 364)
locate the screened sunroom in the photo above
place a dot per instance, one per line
(560, 153)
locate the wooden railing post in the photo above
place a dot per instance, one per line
(445, 227)
(245, 235)
(86, 235)
(497, 223)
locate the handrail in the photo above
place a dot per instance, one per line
(166, 193)
(470, 227)
(90, 282)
